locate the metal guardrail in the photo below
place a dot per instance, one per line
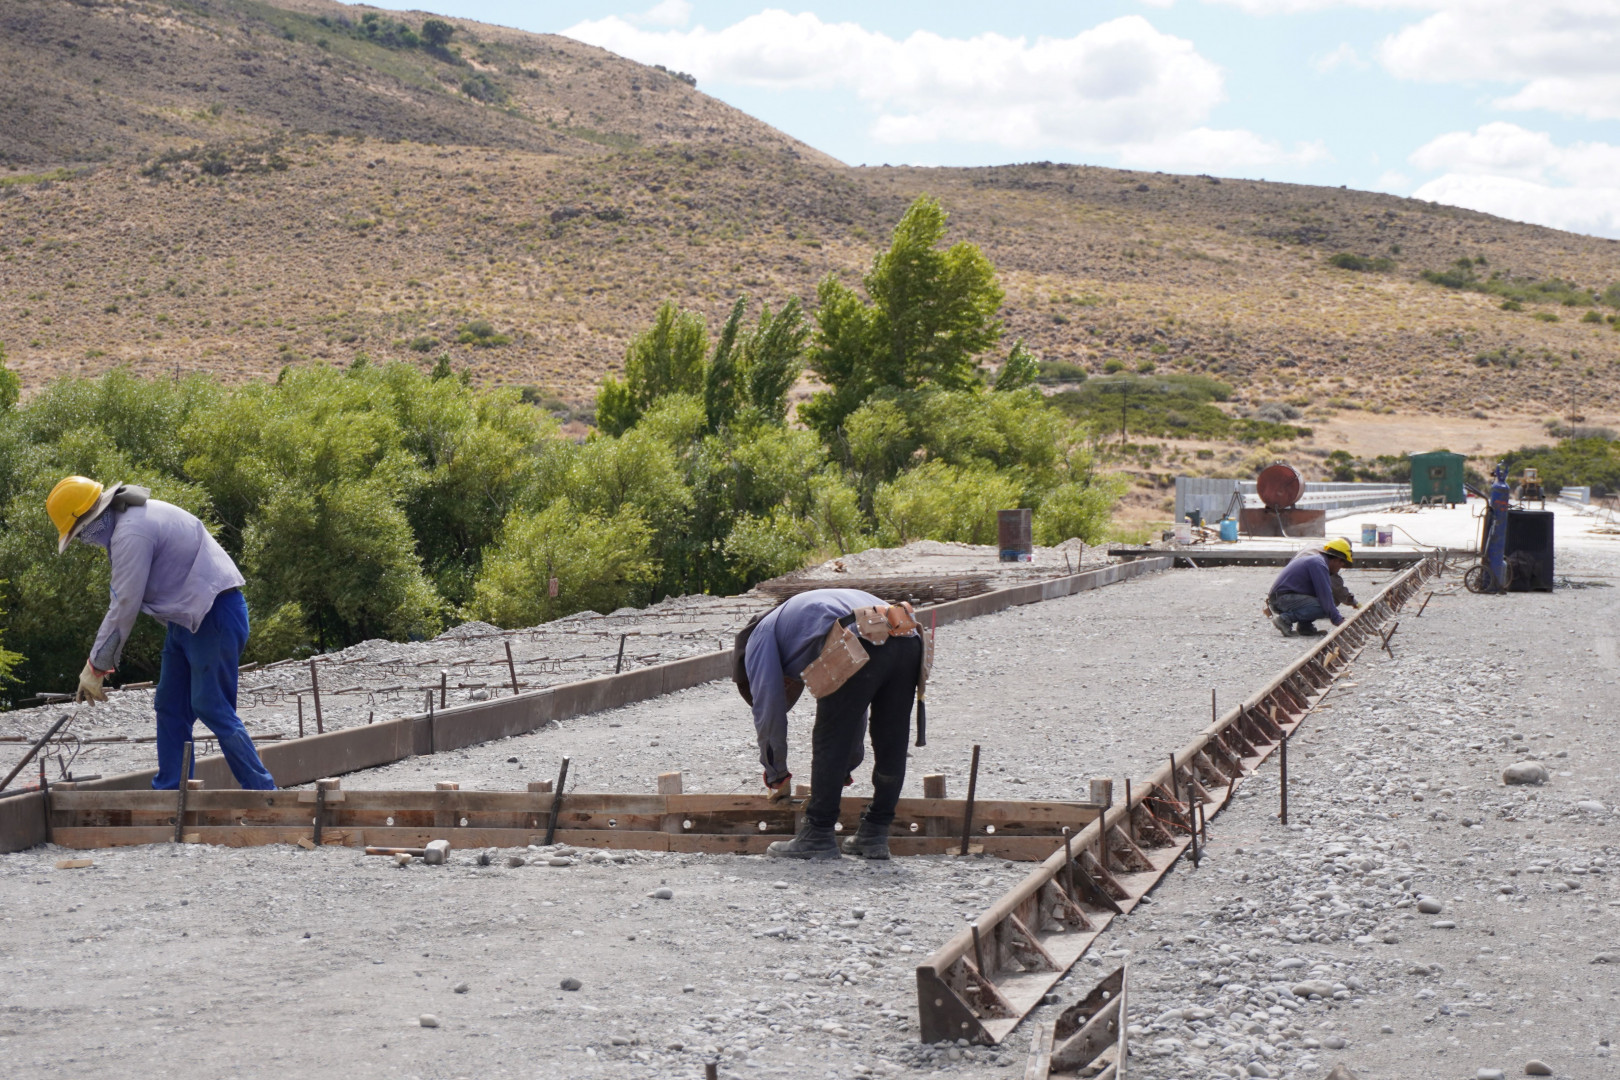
(1210, 496)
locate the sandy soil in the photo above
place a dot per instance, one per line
(1366, 435)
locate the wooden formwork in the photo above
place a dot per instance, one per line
(979, 985)
(1026, 831)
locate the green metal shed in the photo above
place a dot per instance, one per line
(1437, 477)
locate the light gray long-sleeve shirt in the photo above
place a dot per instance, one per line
(783, 644)
(164, 563)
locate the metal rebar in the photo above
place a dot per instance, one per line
(32, 750)
(618, 665)
(315, 691)
(320, 814)
(511, 667)
(1282, 761)
(444, 686)
(180, 797)
(967, 813)
(300, 700)
(556, 802)
(1130, 812)
(45, 800)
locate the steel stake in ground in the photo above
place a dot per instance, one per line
(180, 797)
(315, 692)
(973, 786)
(618, 665)
(1282, 782)
(556, 803)
(511, 668)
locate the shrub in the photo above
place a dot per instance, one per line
(1591, 316)
(600, 563)
(1078, 510)
(1113, 367)
(480, 333)
(936, 501)
(1060, 371)
(1363, 263)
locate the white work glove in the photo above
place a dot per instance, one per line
(780, 790)
(90, 684)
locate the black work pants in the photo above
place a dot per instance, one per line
(887, 685)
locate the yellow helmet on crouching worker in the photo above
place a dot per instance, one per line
(1339, 547)
(68, 503)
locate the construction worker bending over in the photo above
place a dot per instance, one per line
(166, 564)
(855, 654)
(1304, 591)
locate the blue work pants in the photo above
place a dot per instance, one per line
(1302, 609)
(198, 682)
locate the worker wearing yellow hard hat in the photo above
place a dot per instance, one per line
(1305, 590)
(165, 563)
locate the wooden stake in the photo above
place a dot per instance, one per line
(934, 786)
(967, 814)
(669, 783)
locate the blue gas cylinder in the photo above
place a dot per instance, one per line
(1228, 530)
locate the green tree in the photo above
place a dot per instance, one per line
(10, 384)
(600, 563)
(436, 33)
(927, 316)
(1020, 370)
(668, 358)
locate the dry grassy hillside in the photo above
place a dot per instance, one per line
(231, 185)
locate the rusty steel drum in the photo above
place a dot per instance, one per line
(1279, 486)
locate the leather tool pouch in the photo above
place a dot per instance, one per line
(841, 656)
(901, 618)
(871, 624)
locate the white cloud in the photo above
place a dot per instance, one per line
(1516, 173)
(1562, 53)
(1119, 86)
(665, 13)
(1206, 148)
(1343, 56)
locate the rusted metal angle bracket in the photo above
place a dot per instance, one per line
(1257, 725)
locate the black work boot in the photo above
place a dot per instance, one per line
(869, 842)
(811, 843)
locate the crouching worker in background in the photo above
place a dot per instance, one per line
(1310, 588)
(856, 655)
(166, 564)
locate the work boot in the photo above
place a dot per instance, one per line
(1281, 623)
(1309, 630)
(811, 843)
(869, 842)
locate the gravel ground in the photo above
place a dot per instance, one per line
(383, 679)
(195, 959)
(1417, 917)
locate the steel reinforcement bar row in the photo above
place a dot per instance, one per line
(979, 985)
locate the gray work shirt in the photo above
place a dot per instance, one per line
(164, 563)
(783, 644)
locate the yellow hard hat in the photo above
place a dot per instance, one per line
(69, 501)
(1340, 547)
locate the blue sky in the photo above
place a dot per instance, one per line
(1498, 105)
